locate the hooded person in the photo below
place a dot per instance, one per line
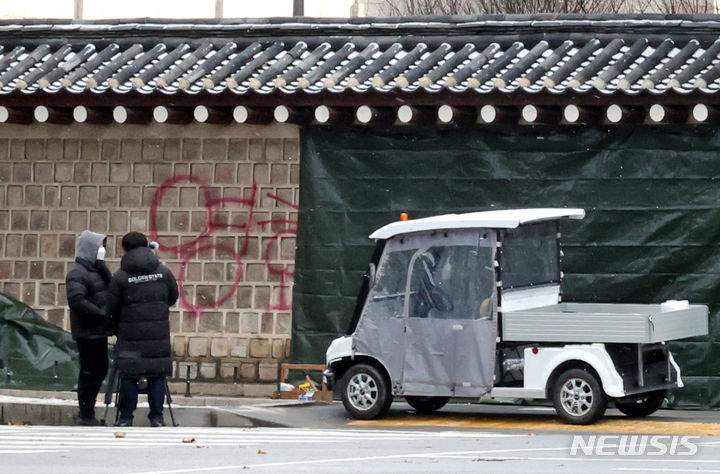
(142, 291)
(87, 286)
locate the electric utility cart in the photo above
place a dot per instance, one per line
(468, 306)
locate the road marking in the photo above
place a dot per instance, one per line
(663, 469)
(478, 455)
(31, 451)
(33, 438)
(528, 423)
(224, 432)
(305, 462)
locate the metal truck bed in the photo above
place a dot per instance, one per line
(598, 322)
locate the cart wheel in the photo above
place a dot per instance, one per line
(427, 404)
(637, 407)
(365, 393)
(578, 397)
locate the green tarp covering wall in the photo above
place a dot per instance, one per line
(34, 354)
(652, 231)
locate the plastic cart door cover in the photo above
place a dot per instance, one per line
(34, 353)
(429, 314)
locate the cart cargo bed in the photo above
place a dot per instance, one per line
(598, 322)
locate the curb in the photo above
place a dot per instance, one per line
(23, 413)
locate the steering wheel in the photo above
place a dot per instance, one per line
(440, 300)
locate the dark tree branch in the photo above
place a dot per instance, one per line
(479, 7)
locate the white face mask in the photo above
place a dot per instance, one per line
(101, 253)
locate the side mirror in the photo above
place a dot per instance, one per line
(371, 275)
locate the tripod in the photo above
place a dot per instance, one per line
(114, 385)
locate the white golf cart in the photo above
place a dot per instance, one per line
(467, 306)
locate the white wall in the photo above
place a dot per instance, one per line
(36, 8)
(190, 9)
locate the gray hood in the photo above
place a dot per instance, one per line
(87, 245)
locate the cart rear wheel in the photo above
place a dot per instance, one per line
(427, 404)
(365, 392)
(645, 405)
(578, 397)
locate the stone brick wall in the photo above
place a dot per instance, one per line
(221, 200)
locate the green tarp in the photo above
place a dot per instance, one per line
(34, 354)
(652, 231)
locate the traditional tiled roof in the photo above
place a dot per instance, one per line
(576, 55)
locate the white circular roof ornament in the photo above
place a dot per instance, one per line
(364, 114)
(571, 113)
(160, 114)
(488, 114)
(42, 114)
(120, 114)
(700, 112)
(445, 114)
(657, 113)
(281, 114)
(529, 113)
(614, 113)
(405, 114)
(201, 114)
(80, 114)
(322, 114)
(240, 114)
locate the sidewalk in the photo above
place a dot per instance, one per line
(59, 408)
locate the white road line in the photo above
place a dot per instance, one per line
(143, 431)
(449, 454)
(129, 436)
(642, 459)
(579, 457)
(514, 450)
(663, 469)
(584, 459)
(301, 463)
(31, 451)
(22, 440)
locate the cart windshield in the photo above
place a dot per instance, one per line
(442, 276)
(387, 295)
(452, 282)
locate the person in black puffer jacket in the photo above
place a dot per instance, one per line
(142, 292)
(87, 294)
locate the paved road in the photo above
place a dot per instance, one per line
(487, 416)
(38, 449)
(322, 439)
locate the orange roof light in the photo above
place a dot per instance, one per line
(403, 216)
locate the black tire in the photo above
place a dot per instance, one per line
(578, 397)
(365, 392)
(427, 404)
(638, 407)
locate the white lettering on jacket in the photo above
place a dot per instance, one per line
(145, 278)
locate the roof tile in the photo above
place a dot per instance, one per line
(623, 55)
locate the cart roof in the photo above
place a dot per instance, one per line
(501, 219)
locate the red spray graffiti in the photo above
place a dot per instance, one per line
(192, 249)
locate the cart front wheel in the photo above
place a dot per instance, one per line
(426, 404)
(365, 392)
(645, 405)
(578, 397)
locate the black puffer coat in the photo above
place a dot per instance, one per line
(87, 289)
(142, 292)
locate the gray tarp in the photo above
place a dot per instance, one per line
(34, 353)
